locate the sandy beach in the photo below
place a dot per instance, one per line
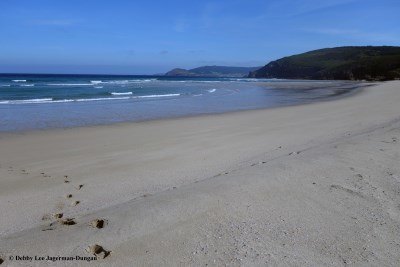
(306, 185)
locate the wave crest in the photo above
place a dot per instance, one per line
(121, 93)
(151, 96)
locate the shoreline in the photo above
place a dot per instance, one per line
(358, 89)
(173, 189)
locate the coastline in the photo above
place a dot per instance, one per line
(51, 105)
(173, 189)
(358, 87)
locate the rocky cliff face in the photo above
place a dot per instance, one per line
(340, 63)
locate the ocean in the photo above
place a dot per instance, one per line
(29, 102)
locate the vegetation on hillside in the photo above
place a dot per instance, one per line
(340, 63)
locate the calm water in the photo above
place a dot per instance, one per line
(54, 101)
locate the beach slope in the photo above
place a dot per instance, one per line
(311, 185)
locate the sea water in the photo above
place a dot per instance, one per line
(56, 101)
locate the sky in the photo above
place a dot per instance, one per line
(149, 37)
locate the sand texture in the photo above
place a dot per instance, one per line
(309, 185)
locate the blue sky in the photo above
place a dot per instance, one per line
(147, 37)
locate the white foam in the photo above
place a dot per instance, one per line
(27, 101)
(101, 99)
(142, 80)
(5, 85)
(61, 101)
(111, 82)
(122, 82)
(151, 96)
(122, 93)
(70, 84)
(211, 90)
(50, 100)
(96, 82)
(118, 82)
(27, 85)
(19, 81)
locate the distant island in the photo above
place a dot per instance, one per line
(212, 71)
(373, 63)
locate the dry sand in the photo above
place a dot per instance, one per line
(310, 185)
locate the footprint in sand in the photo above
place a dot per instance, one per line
(347, 190)
(97, 250)
(75, 203)
(394, 140)
(58, 215)
(258, 163)
(67, 221)
(69, 196)
(79, 187)
(1, 261)
(98, 223)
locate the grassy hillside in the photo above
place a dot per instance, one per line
(340, 63)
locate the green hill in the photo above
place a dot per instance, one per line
(340, 63)
(213, 71)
